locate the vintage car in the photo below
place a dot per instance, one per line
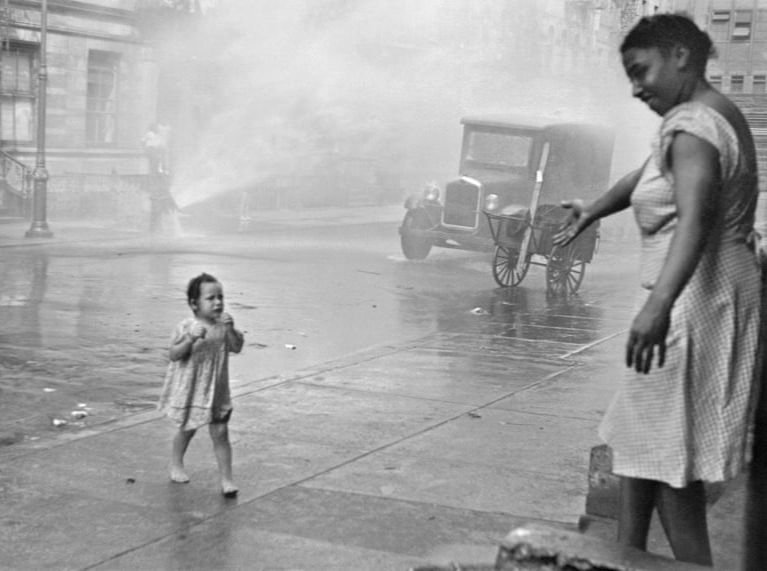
(507, 163)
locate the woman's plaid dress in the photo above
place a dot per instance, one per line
(690, 419)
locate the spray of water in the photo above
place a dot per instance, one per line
(302, 95)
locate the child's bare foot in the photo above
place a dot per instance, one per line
(229, 489)
(178, 475)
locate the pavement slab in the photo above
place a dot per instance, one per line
(483, 346)
(441, 375)
(221, 545)
(329, 530)
(70, 530)
(461, 484)
(361, 419)
(584, 392)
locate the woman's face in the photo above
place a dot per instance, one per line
(655, 77)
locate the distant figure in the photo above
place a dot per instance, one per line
(164, 133)
(682, 413)
(196, 388)
(154, 144)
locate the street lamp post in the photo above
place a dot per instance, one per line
(39, 227)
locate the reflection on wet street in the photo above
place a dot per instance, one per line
(86, 326)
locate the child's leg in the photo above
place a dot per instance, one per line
(682, 512)
(637, 501)
(219, 433)
(180, 444)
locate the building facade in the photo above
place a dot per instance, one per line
(739, 68)
(100, 96)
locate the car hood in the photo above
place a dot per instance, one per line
(510, 189)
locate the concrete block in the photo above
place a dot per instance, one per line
(537, 546)
(603, 498)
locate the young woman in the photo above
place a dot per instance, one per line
(681, 416)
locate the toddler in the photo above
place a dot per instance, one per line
(196, 388)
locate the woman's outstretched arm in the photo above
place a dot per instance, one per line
(583, 215)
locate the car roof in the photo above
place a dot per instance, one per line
(532, 122)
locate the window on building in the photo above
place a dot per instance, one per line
(716, 82)
(101, 106)
(760, 84)
(736, 83)
(760, 29)
(720, 25)
(17, 100)
(741, 30)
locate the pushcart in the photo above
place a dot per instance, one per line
(567, 161)
(525, 238)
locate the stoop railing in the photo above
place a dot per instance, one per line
(15, 180)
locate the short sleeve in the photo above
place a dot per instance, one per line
(707, 124)
(179, 331)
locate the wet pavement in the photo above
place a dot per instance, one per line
(422, 415)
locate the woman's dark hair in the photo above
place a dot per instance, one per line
(664, 31)
(195, 284)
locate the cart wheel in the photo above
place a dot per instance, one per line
(415, 248)
(505, 267)
(564, 273)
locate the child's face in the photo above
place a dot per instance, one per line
(210, 304)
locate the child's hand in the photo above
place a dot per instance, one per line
(227, 320)
(197, 331)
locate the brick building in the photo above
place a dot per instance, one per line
(739, 31)
(101, 95)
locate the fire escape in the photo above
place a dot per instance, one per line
(15, 176)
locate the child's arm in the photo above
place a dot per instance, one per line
(182, 347)
(234, 338)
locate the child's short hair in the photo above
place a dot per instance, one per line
(195, 284)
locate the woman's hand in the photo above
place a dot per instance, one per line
(648, 331)
(577, 220)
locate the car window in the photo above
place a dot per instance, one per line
(498, 149)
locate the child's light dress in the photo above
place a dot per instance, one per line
(196, 388)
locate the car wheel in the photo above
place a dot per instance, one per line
(413, 246)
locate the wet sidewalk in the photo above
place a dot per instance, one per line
(376, 461)
(426, 451)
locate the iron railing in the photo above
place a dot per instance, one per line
(16, 175)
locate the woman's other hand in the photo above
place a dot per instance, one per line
(648, 331)
(577, 221)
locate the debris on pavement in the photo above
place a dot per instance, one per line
(289, 346)
(479, 311)
(78, 413)
(475, 415)
(59, 422)
(48, 390)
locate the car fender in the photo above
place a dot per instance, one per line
(416, 201)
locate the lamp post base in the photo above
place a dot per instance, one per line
(39, 230)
